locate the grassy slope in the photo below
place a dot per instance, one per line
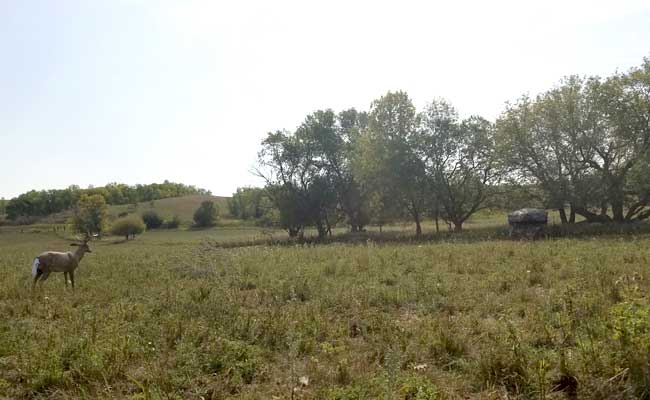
(169, 313)
(184, 207)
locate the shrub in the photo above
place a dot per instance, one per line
(128, 226)
(207, 214)
(173, 223)
(152, 220)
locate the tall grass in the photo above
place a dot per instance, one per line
(489, 318)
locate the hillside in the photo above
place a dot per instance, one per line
(184, 206)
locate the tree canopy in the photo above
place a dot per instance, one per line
(584, 144)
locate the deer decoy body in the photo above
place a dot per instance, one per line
(54, 261)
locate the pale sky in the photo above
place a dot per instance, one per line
(140, 91)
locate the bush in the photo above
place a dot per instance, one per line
(173, 223)
(128, 226)
(152, 220)
(90, 214)
(207, 214)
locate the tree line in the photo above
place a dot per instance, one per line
(45, 202)
(582, 146)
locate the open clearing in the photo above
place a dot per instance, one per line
(170, 315)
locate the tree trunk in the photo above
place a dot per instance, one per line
(329, 227)
(437, 225)
(592, 217)
(322, 232)
(380, 228)
(603, 208)
(617, 211)
(418, 227)
(563, 215)
(458, 226)
(572, 216)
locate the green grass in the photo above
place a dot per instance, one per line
(171, 315)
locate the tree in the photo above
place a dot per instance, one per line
(207, 214)
(582, 143)
(386, 163)
(90, 214)
(621, 142)
(152, 220)
(3, 206)
(538, 141)
(128, 226)
(296, 180)
(333, 139)
(459, 159)
(249, 203)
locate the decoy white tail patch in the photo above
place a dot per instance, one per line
(35, 266)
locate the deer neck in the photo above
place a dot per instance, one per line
(78, 254)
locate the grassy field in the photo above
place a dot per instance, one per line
(172, 315)
(184, 207)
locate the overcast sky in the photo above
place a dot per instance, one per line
(93, 92)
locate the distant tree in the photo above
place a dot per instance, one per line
(3, 206)
(297, 183)
(90, 214)
(460, 161)
(45, 202)
(247, 203)
(207, 214)
(293, 213)
(152, 220)
(386, 162)
(128, 227)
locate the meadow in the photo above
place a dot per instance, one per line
(174, 315)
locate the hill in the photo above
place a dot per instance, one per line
(184, 206)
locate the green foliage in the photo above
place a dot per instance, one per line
(251, 203)
(347, 393)
(309, 173)
(550, 141)
(631, 331)
(236, 360)
(46, 202)
(173, 223)
(418, 388)
(90, 214)
(128, 227)
(207, 214)
(388, 166)
(152, 220)
(459, 159)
